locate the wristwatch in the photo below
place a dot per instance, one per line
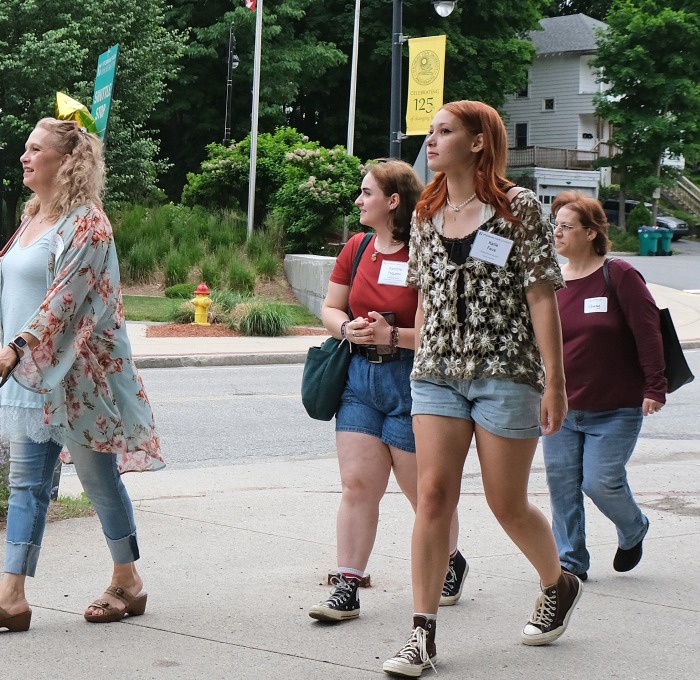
(20, 343)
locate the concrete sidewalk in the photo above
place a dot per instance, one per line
(168, 352)
(232, 558)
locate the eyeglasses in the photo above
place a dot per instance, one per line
(566, 228)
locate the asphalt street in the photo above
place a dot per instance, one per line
(228, 415)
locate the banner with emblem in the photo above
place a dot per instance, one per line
(426, 81)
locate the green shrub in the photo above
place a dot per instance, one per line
(260, 319)
(638, 217)
(183, 314)
(181, 290)
(211, 272)
(267, 265)
(229, 300)
(177, 269)
(240, 276)
(142, 261)
(623, 242)
(319, 191)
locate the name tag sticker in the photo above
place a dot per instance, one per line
(393, 273)
(594, 305)
(491, 248)
(56, 246)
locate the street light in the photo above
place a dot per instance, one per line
(443, 8)
(233, 62)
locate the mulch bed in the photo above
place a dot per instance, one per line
(186, 330)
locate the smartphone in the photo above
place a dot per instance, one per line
(390, 317)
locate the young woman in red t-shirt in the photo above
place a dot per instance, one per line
(374, 432)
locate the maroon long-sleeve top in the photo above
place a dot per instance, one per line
(612, 359)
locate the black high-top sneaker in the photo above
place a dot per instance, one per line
(342, 604)
(457, 571)
(553, 610)
(418, 653)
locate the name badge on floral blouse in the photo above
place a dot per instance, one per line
(491, 248)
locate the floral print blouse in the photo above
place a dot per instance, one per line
(497, 339)
(83, 363)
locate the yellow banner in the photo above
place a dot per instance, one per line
(426, 81)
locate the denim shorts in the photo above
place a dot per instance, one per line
(377, 401)
(502, 407)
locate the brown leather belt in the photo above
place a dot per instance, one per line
(371, 353)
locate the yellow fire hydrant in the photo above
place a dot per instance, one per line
(201, 302)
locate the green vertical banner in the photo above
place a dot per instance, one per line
(104, 84)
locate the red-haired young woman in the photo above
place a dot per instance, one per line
(488, 364)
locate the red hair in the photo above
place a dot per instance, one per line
(490, 183)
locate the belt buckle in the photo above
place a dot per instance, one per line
(373, 356)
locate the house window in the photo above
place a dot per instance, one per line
(520, 135)
(548, 104)
(525, 92)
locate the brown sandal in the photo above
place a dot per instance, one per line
(17, 622)
(135, 606)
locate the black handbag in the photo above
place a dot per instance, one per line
(677, 371)
(326, 367)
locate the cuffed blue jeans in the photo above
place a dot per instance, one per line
(31, 473)
(589, 456)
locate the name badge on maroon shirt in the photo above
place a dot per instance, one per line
(593, 305)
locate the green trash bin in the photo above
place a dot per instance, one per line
(665, 238)
(648, 240)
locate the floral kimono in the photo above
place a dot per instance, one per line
(83, 363)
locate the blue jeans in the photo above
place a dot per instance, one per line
(588, 456)
(31, 473)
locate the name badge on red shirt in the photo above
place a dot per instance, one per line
(593, 305)
(393, 273)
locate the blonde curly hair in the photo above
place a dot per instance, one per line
(81, 178)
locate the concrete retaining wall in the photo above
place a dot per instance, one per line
(308, 276)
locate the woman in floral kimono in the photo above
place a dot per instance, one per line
(73, 381)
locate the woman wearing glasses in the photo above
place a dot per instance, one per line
(613, 361)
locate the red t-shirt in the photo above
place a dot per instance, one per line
(367, 294)
(612, 359)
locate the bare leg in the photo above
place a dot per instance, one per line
(123, 576)
(365, 465)
(442, 444)
(505, 470)
(12, 596)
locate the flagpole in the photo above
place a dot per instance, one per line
(350, 146)
(254, 118)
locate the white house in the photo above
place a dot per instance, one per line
(553, 131)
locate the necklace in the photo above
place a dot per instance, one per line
(392, 243)
(457, 208)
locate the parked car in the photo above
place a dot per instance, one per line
(678, 227)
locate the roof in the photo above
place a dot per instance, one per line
(572, 33)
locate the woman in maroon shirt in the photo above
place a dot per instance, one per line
(614, 366)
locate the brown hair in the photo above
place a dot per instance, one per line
(80, 179)
(591, 215)
(398, 177)
(490, 183)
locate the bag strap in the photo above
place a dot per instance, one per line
(356, 263)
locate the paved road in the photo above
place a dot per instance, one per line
(243, 414)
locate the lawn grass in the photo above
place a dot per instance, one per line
(147, 308)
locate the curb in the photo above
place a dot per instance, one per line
(220, 360)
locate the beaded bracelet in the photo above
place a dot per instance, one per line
(394, 338)
(343, 331)
(15, 349)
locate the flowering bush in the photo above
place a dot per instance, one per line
(319, 191)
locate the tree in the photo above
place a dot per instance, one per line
(598, 9)
(650, 61)
(305, 78)
(50, 45)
